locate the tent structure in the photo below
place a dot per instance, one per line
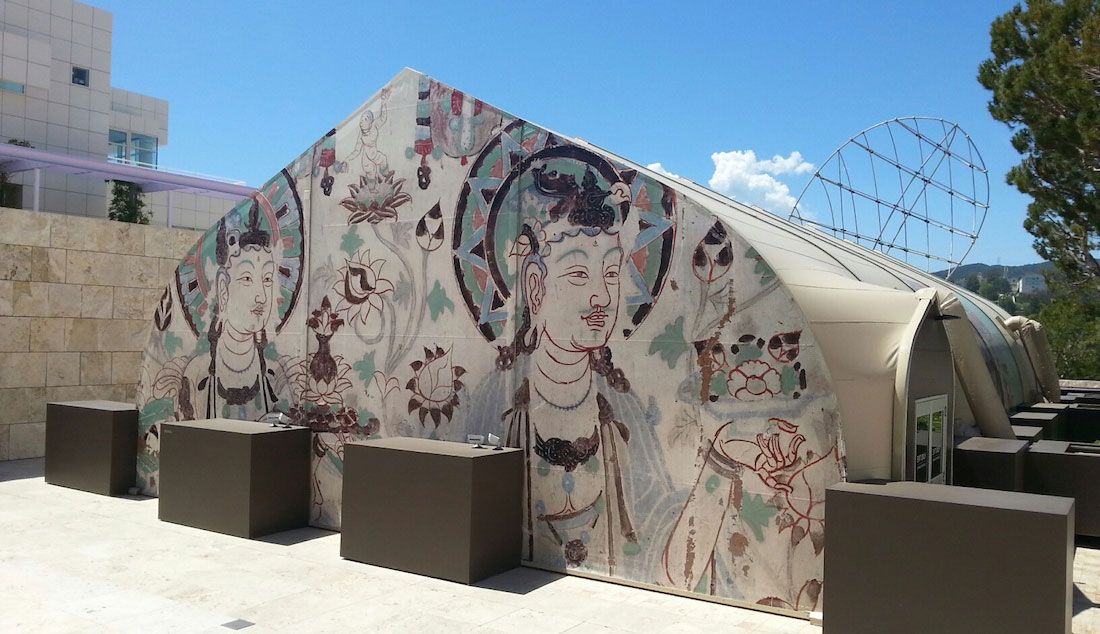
(685, 374)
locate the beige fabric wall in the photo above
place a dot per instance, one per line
(859, 328)
(76, 298)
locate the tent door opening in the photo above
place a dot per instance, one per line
(926, 425)
(931, 440)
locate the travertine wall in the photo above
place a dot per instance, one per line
(76, 297)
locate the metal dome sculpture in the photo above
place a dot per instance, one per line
(915, 188)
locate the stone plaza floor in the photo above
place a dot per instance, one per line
(75, 562)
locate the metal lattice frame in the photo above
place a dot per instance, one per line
(935, 210)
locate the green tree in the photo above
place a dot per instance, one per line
(127, 204)
(972, 282)
(1032, 303)
(1072, 322)
(994, 286)
(1045, 79)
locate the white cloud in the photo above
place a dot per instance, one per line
(657, 167)
(750, 180)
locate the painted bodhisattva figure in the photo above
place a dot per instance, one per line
(557, 394)
(233, 292)
(232, 379)
(559, 256)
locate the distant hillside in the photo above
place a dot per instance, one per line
(1010, 272)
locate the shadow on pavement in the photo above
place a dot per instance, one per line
(22, 469)
(296, 536)
(519, 580)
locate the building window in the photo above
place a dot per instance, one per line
(11, 86)
(80, 76)
(132, 148)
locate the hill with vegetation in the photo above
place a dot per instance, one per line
(984, 270)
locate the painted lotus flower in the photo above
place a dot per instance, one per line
(324, 321)
(435, 385)
(324, 389)
(713, 255)
(362, 288)
(753, 381)
(375, 206)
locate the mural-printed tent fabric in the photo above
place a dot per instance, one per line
(434, 266)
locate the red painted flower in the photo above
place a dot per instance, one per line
(367, 205)
(362, 290)
(753, 381)
(435, 385)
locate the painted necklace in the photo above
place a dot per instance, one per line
(566, 408)
(238, 395)
(567, 454)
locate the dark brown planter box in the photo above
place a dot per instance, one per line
(1051, 422)
(991, 463)
(909, 558)
(434, 508)
(92, 446)
(1045, 407)
(1027, 433)
(1083, 423)
(1070, 470)
(236, 477)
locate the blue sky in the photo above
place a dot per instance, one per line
(251, 85)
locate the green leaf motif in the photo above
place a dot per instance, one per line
(712, 483)
(161, 409)
(350, 242)
(718, 383)
(438, 301)
(172, 343)
(365, 368)
(788, 379)
(747, 352)
(335, 460)
(766, 273)
(704, 584)
(670, 345)
(756, 514)
(270, 353)
(146, 463)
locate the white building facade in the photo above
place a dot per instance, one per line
(56, 95)
(1031, 283)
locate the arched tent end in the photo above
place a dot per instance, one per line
(1039, 354)
(858, 327)
(923, 396)
(977, 384)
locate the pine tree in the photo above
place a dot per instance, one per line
(1045, 78)
(127, 204)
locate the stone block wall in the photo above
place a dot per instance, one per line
(76, 297)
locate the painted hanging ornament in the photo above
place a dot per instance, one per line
(326, 159)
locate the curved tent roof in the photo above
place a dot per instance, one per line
(860, 302)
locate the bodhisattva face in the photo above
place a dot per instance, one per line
(576, 302)
(248, 296)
